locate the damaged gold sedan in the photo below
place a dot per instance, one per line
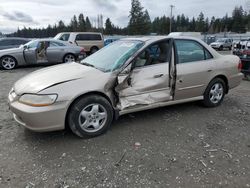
(127, 76)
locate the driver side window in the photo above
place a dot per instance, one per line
(154, 54)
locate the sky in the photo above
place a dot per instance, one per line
(40, 13)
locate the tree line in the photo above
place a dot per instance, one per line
(140, 23)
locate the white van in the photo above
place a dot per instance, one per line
(90, 41)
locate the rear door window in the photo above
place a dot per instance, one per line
(55, 44)
(82, 37)
(191, 51)
(64, 37)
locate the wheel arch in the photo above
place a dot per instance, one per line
(92, 47)
(83, 95)
(225, 79)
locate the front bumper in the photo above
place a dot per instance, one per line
(40, 119)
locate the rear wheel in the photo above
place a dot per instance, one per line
(90, 116)
(69, 58)
(93, 50)
(214, 93)
(220, 48)
(8, 63)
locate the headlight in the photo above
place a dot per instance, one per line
(38, 100)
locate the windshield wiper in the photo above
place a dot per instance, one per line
(87, 64)
(90, 65)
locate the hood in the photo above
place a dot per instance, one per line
(216, 43)
(44, 78)
(11, 50)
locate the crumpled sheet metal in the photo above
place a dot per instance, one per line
(138, 94)
(144, 99)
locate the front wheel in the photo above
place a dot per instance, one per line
(8, 63)
(214, 93)
(91, 116)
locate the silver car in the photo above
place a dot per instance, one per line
(220, 44)
(126, 76)
(40, 51)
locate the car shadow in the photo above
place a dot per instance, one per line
(118, 125)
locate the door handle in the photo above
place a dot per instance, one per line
(209, 70)
(158, 75)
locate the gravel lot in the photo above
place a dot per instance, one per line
(178, 146)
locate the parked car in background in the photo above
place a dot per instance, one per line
(222, 43)
(90, 41)
(12, 42)
(242, 50)
(127, 76)
(40, 51)
(108, 41)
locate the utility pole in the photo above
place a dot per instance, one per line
(171, 15)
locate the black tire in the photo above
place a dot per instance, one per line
(230, 48)
(220, 48)
(67, 56)
(207, 94)
(12, 60)
(93, 50)
(80, 107)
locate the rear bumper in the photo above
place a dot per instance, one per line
(40, 119)
(81, 56)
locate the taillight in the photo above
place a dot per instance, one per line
(240, 65)
(82, 51)
(246, 52)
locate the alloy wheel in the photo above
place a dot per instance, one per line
(8, 63)
(216, 93)
(69, 58)
(92, 118)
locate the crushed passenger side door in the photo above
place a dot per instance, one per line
(147, 84)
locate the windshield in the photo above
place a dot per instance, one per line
(113, 56)
(32, 44)
(221, 40)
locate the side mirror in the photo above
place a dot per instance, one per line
(25, 47)
(127, 70)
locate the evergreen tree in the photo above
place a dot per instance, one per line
(88, 24)
(108, 27)
(81, 23)
(200, 25)
(137, 23)
(238, 23)
(74, 23)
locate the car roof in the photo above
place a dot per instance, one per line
(151, 39)
(48, 39)
(14, 38)
(81, 33)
